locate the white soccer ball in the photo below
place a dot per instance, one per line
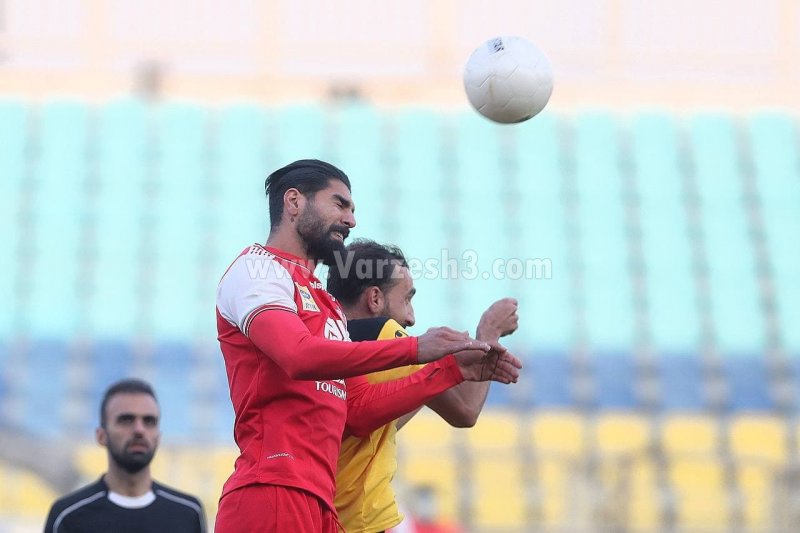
(508, 79)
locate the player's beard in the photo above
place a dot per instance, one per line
(131, 462)
(319, 242)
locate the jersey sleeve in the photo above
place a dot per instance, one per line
(285, 339)
(253, 284)
(372, 405)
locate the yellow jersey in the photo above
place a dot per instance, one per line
(365, 500)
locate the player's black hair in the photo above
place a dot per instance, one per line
(306, 175)
(124, 386)
(365, 263)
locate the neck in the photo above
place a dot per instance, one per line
(286, 239)
(127, 484)
(357, 312)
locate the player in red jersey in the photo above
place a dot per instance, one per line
(286, 349)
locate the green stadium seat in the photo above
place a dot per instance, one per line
(58, 215)
(240, 210)
(360, 152)
(182, 222)
(666, 244)
(773, 143)
(607, 297)
(422, 226)
(729, 251)
(773, 139)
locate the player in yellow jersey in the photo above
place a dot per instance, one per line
(375, 288)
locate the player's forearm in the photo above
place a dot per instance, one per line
(283, 337)
(370, 406)
(461, 405)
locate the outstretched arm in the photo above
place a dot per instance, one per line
(370, 406)
(285, 339)
(460, 406)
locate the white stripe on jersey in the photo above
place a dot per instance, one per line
(184, 501)
(254, 281)
(63, 514)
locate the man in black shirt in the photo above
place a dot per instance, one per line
(126, 499)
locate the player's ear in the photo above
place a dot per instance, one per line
(375, 300)
(101, 436)
(292, 202)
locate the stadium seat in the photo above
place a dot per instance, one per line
(558, 443)
(701, 498)
(748, 383)
(23, 494)
(360, 150)
(773, 141)
(762, 438)
(601, 222)
(729, 252)
(172, 379)
(666, 244)
(497, 472)
(550, 379)
(686, 435)
(45, 387)
(621, 434)
(422, 227)
(58, 215)
(681, 381)
(239, 204)
(427, 456)
(615, 381)
(759, 447)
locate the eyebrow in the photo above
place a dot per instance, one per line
(345, 202)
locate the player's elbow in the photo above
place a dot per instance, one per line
(463, 418)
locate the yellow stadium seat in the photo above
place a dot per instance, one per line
(427, 455)
(761, 438)
(758, 445)
(690, 435)
(621, 434)
(497, 472)
(701, 497)
(558, 443)
(558, 433)
(91, 461)
(426, 430)
(24, 494)
(440, 472)
(626, 472)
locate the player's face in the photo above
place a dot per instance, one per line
(325, 222)
(397, 298)
(131, 432)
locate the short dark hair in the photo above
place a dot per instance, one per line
(365, 264)
(308, 176)
(124, 386)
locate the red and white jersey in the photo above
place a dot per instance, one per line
(288, 431)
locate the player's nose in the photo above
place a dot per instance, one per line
(349, 219)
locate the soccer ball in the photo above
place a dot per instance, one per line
(508, 79)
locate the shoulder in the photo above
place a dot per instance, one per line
(78, 499)
(367, 329)
(175, 497)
